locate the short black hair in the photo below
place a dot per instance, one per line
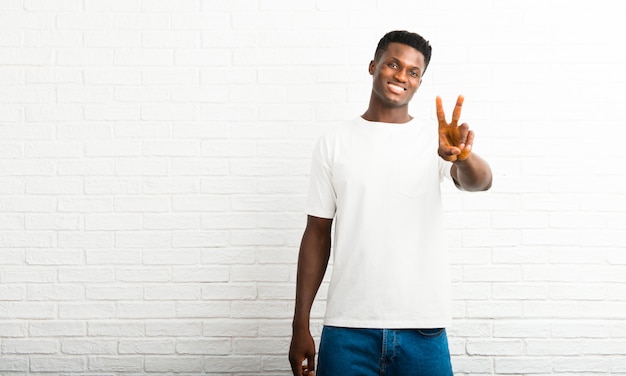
(405, 37)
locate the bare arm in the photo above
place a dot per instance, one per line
(472, 174)
(312, 263)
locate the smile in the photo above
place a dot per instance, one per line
(396, 89)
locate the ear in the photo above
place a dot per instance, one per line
(372, 67)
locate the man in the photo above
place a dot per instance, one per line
(379, 177)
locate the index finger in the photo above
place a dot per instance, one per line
(310, 365)
(456, 114)
(441, 116)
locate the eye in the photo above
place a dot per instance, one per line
(393, 65)
(414, 74)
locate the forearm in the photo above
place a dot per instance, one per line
(312, 263)
(472, 174)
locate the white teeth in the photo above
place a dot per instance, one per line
(396, 89)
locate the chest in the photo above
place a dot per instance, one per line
(383, 164)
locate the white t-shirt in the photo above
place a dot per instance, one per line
(381, 183)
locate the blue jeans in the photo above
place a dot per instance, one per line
(383, 352)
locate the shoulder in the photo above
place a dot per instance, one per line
(337, 132)
(343, 127)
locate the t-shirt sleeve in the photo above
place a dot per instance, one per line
(321, 198)
(444, 170)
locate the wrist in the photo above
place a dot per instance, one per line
(461, 163)
(300, 324)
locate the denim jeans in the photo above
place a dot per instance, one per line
(383, 352)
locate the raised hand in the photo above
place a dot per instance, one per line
(455, 141)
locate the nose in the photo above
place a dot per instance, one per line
(400, 75)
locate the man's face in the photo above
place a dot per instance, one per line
(397, 74)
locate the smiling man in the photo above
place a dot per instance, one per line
(378, 178)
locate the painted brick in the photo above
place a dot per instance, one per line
(116, 328)
(229, 364)
(204, 347)
(116, 363)
(88, 346)
(13, 329)
(149, 346)
(156, 328)
(179, 363)
(74, 311)
(57, 328)
(29, 346)
(57, 364)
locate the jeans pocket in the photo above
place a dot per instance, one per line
(431, 333)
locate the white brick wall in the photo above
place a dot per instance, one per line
(154, 158)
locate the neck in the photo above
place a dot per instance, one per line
(386, 114)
